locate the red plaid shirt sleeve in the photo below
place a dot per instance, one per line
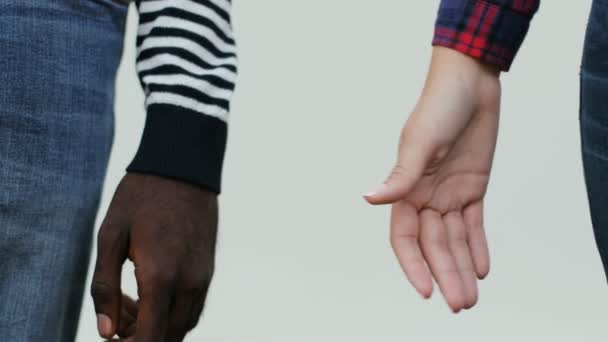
(489, 30)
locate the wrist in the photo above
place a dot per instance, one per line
(459, 86)
(454, 74)
(445, 60)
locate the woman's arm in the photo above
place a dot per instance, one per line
(447, 147)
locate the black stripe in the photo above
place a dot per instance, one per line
(182, 14)
(185, 54)
(192, 93)
(173, 32)
(174, 69)
(215, 8)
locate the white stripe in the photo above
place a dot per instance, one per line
(186, 102)
(190, 6)
(168, 59)
(186, 44)
(186, 25)
(191, 82)
(223, 4)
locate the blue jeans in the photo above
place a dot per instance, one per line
(58, 62)
(594, 122)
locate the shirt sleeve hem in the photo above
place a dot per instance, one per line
(182, 144)
(483, 29)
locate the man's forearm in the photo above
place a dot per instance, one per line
(186, 61)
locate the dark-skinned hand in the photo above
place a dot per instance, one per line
(168, 229)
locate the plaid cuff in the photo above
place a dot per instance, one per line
(489, 30)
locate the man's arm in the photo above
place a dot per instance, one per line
(163, 215)
(438, 184)
(186, 60)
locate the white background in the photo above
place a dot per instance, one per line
(323, 91)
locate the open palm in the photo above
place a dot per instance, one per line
(438, 185)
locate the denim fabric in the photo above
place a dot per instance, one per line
(58, 62)
(594, 121)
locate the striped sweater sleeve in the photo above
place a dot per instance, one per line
(186, 62)
(488, 30)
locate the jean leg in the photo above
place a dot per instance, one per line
(58, 62)
(594, 122)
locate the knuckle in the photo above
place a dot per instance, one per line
(474, 223)
(101, 292)
(433, 239)
(162, 277)
(110, 235)
(398, 172)
(199, 276)
(158, 278)
(195, 287)
(458, 236)
(397, 240)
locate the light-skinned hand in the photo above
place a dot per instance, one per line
(438, 184)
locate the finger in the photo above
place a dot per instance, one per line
(457, 241)
(404, 240)
(198, 307)
(126, 327)
(112, 249)
(434, 242)
(477, 240)
(155, 296)
(128, 317)
(180, 316)
(412, 160)
(129, 305)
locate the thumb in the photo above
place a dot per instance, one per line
(112, 249)
(404, 176)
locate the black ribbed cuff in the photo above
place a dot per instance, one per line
(182, 144)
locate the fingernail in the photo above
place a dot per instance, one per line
(375, 192)
(104, 325)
